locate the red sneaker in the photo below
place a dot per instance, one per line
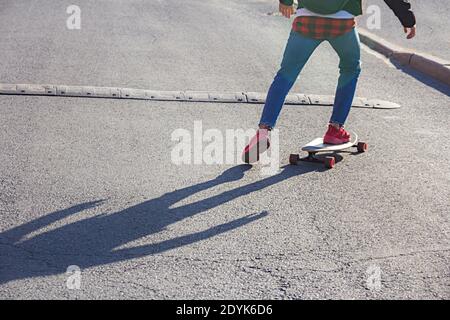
(257, 145)
(336, 136)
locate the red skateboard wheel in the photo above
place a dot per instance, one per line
(329, 162)
(362, 147)
(294, 158)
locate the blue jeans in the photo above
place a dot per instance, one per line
(297, 52)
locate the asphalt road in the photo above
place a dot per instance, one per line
(432, 36)
(90, 182)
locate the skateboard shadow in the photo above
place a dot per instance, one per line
(102, 239)
(337, 155)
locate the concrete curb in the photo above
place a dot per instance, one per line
(182, 96)
(434, 67)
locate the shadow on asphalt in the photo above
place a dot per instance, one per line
(93, 241)
(428, 81)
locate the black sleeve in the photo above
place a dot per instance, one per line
(402, 9)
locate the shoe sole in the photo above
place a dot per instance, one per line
(252, 155)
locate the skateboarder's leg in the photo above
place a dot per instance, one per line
(348, 48)
(297, 52)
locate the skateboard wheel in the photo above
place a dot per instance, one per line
(294, 158)
(329, 162)
(362, 147)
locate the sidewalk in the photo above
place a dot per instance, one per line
(427, 52)
(432, 66)
(432, 31)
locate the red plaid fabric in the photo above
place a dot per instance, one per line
(322, 28)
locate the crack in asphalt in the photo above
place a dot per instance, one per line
(399, 255)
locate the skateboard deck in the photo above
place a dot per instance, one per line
(317, 146)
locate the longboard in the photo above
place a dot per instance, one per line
(317, 146)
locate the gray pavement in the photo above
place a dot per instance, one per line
(89, 182)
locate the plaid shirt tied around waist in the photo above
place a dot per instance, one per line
(322, 28)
